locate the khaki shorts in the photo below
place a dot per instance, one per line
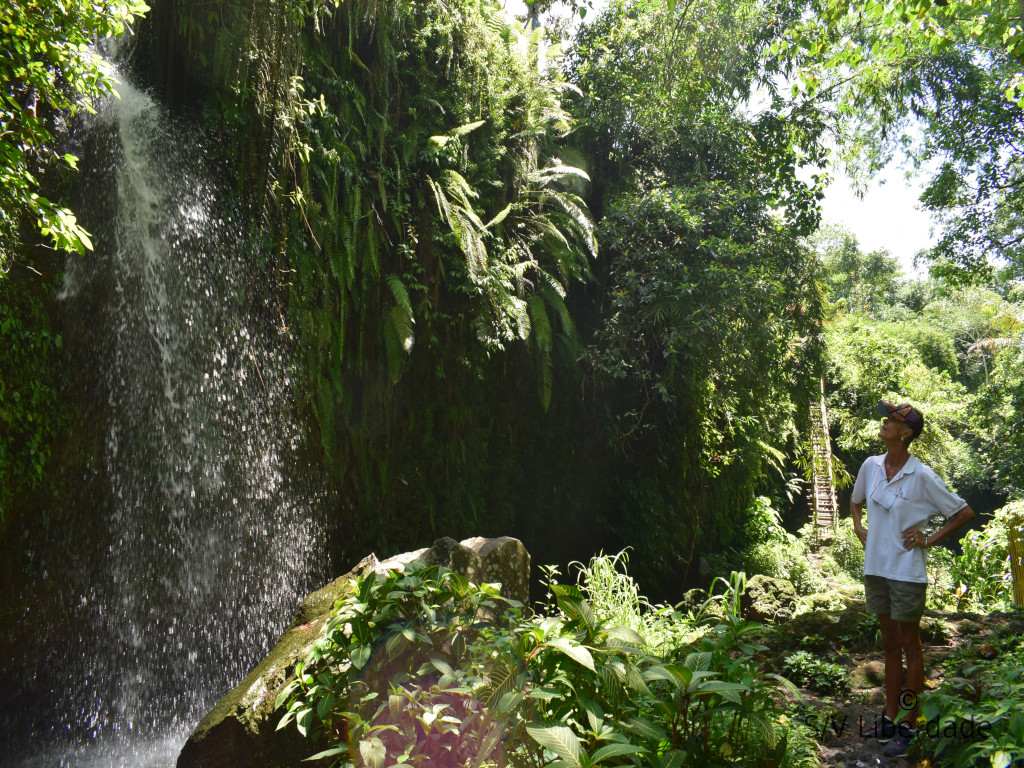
(902, 600)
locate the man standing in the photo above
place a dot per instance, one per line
(900, 493)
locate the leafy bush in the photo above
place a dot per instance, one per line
(421, 668)
(847, 551)
(30, 409)
(394, 674)
(823, 676)
(776, 552)
(980, 577)
(978, 717)
(943, 593)
(615, 598)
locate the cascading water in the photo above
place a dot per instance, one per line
(207, 542)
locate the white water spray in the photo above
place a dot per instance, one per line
(209, 543)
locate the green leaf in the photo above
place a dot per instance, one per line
(574, 651)
(627, 635)
(646, 728)
(1000, 759)
(462, 130)
(339, 750)
(360, 656)
(303, 720)
(559, 739)
(595, 715)
(324, 706)
(373, 752)
(615, 750)
(729, 691)
(285, 693)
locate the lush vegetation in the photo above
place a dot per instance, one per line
(422, 667)
(579, 294)
(50, 73)
(488, 333)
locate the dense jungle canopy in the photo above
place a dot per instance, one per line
(572, 290)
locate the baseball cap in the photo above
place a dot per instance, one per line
(904, 412)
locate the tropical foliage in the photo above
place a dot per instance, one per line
(407, 673)
(50, 72)
(952, 350)
(942, 83)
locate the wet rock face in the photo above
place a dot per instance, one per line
(240, 731)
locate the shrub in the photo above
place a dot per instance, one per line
(776, 552)
(809, 670)
(615, 599)
(980, 578)
(989, 694)
(847, 551)
(420, 668)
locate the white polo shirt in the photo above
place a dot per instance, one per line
(895, 505)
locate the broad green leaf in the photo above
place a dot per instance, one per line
(615, 750)
(559, 739)
(285, 693)
(339, 750)
(324, 706)
(729, 691)
(304, 719)
(574, 651)
(373, 752)
(360, 656)
(646, 728)
(627, 635)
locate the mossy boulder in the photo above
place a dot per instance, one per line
(832, 628)
(240, 731)
(870, 674)
(768, 599)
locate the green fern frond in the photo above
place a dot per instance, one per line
(400, 294)
(547, 174)
(545, 229)
(471, 242)
(577, 211)
(372, 261)
(441, 199)
(541, 323)
(500, 217)
(555, 300)
(462, 130)
(547, 377)
(546, 278)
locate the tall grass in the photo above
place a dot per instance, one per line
(615, 597)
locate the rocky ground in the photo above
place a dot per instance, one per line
(849, 639)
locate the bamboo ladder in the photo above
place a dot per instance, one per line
(822, 493)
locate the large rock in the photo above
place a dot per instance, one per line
(240, 731)
(767, 599)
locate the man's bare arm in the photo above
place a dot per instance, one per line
(955, 523)
(858, 526)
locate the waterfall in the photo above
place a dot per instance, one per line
(207, 542)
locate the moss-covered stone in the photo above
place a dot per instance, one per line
(240, 732)
(870, 674)
(768, 599)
